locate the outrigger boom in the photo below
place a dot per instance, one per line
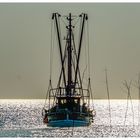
(69, 102)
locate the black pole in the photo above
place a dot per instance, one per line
(60, 48)
(69, 57)
(80, 44)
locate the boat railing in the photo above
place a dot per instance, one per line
(61, 92)
(63, 111)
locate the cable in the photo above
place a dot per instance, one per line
(138, 86)
(126, 110)
(52, 48)
(89, 60)
(76, 21)
(108, 95)
(63, 21)
(85, 46)
(88, 48)
(128, 87)
(51, 55)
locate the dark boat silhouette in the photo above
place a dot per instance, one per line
(69, 103)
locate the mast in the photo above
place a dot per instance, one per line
(54, 16)
(85, 17)
(69, 100)
(69, 56)
(69, 80)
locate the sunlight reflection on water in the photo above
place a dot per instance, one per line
(22, 118)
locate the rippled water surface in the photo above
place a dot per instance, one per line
(22, 118)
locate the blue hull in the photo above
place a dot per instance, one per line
(68, 123)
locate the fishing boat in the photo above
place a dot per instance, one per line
(68, 104)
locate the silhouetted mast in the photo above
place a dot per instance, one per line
(85, 17)
(55, 16)
(69, 56)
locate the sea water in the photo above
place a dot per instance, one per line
(23, 118)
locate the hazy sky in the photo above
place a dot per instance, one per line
(25, 46)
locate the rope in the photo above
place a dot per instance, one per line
(76, 22)
(46, 96)
(89, 60)
(90, 90)
(128, 97)
(88, 48)
(51, 60)
(84, 73)
(52, 49)
(139, 109)
(126, 110)
(108, 95)
(132, 108)
(84, 34)
(63, 21)
(139, 99)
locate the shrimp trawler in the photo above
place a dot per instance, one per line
(68, 104)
